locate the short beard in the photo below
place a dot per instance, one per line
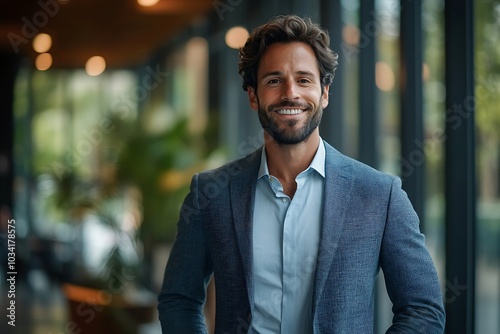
(289, 136)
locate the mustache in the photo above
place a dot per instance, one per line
(288, 104)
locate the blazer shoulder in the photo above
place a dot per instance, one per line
(235, 168)
(358, 171)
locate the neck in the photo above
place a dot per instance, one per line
(286, 161)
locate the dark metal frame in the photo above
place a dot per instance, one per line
(332, 125)
(460, 187)
(368, 106)
(411, 130)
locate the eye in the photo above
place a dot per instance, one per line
(274, 81)
(304, 81)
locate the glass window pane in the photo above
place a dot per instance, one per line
(434, 96)
(487, 66)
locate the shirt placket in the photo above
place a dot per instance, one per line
(291, 254)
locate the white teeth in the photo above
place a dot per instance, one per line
(289, 111)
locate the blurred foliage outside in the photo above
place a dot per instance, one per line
(88, 159)
(487, 67)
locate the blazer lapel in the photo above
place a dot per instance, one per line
(242, 196)
(338, 183)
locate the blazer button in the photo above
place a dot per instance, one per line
(249, 317)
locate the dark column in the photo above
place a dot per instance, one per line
(332, 125)
(412, 153)
(460, 159)
(368, 110)
(9, 64)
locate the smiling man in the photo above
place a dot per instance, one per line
(297, 235)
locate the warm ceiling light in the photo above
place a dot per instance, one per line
(43, 61)
(42, 43)
(147, 3)
(384, 77)
(236, 37)
(95, 66)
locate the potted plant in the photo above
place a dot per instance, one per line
(142, 180)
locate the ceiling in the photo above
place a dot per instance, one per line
(121, 31)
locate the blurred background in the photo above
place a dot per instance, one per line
(107, 108)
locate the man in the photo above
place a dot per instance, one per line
(295, 233)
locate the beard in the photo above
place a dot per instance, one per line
(288, 133)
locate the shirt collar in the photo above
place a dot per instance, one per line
(318, 162)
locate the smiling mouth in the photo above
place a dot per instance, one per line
(289, 111)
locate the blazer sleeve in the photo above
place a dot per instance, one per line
(410, 276)
(187, 273)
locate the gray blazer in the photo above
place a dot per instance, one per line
(368, 224)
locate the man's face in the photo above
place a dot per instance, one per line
(289, 98)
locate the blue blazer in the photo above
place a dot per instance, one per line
(368, 224)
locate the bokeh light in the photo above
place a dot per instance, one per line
(236, 37)
(147, 3)
(42, 43)
(95, 66)
(43, 61)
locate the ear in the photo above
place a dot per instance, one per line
(252, 98)
(324, 97)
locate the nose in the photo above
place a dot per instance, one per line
(290, 91)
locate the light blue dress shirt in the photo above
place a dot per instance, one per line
(285, 247)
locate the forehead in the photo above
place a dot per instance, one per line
(286, 57)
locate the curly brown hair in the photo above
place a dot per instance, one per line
(284, 29)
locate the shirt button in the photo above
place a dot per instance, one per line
(284, 200)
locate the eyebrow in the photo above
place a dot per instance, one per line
(278, 73)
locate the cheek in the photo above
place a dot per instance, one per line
(264, 100)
